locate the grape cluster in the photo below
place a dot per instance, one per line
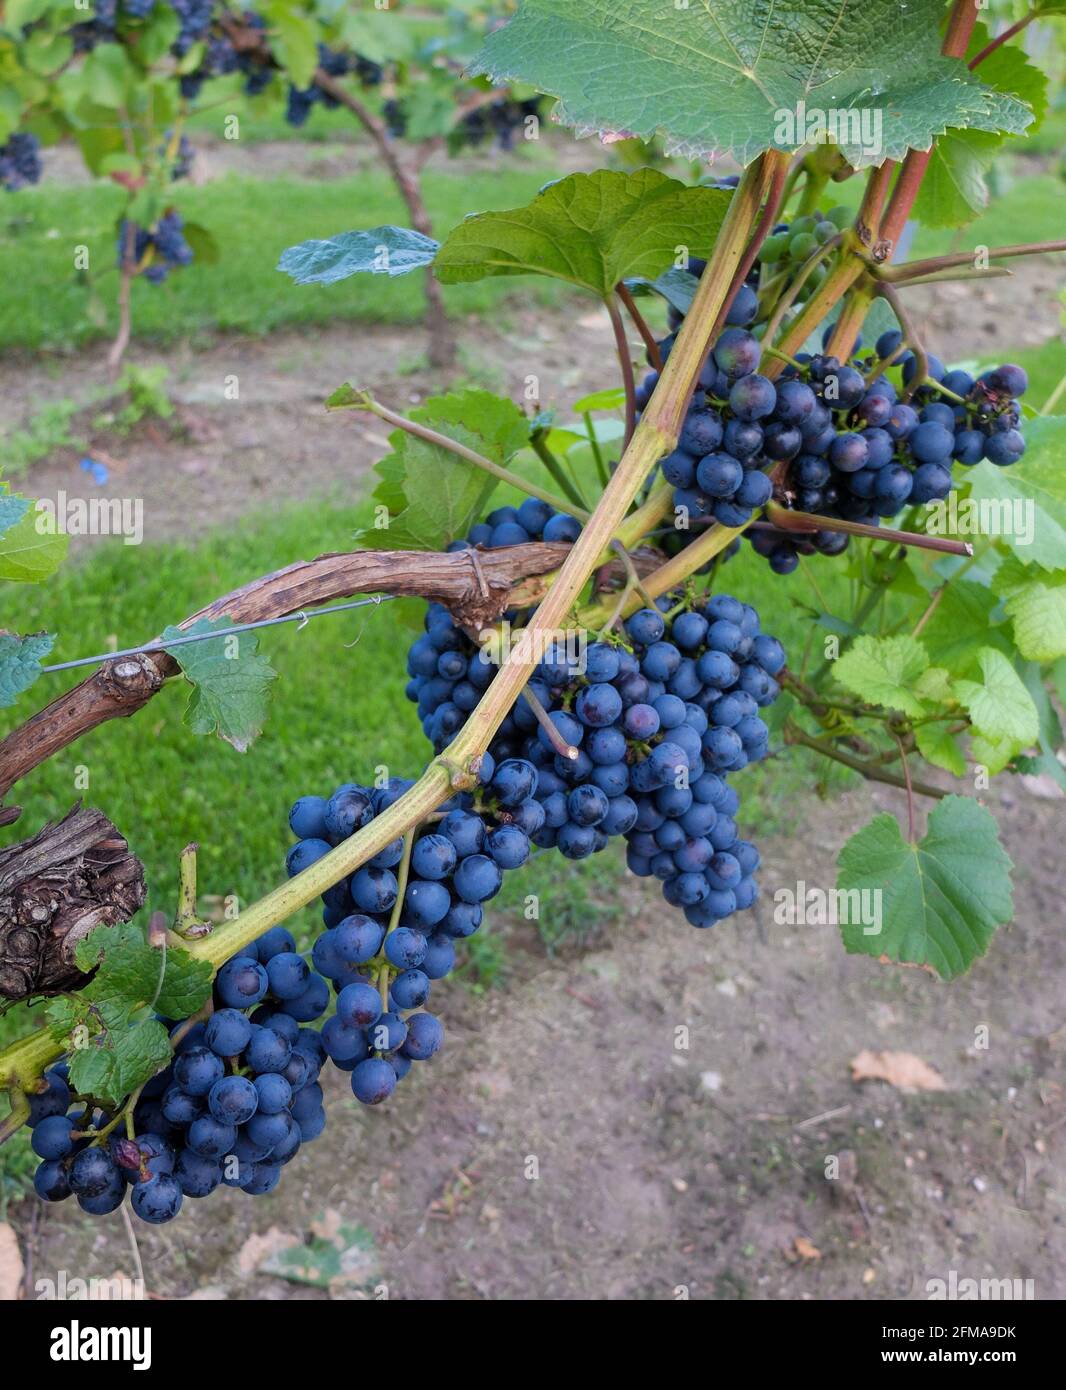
(499, 119)
(827, 438)
(656, 725)
(334, 64)
(234, 1106)
(382, 959)
(20, 161)
(158, 249)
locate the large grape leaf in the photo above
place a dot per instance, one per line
(941, 899)
(380, 250)
(432, 494)
(20, 662)
(718, 76)
(229, 679)
(1034, 491)
(591, 230)
(12, 508)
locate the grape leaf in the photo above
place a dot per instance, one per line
(676, 286)
(941, 748)
(591, 230)
(954, 189)
(942, 898)
(380, 250)
(883, 670)
(719, 76)
(229, 679)
(112, 1052)
(1036, 602)
(293, 41)
(1034, 491)
(31, 550)
(12, 508)
(20, 663)
(112, 1067)
(440, 495)
(1001, 709)
(961, 625)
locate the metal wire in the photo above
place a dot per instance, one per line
(303, 617)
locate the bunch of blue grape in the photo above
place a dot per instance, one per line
(382, 958)
(20, 161)
(235, 1105)
(158, 249)
(838, 437)
(499, 120)
(334, 64)
(657, 726)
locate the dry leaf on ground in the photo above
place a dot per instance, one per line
(901, 1069)
(806, 1250)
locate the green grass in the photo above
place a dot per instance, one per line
(253, 221)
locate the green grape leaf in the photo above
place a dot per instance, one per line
(954, 190)
(20, 662)
(724, 78)
(381, 251)
(106, 74)
(1036, 603)
(114, 1063)
(961, 625)
(229, 679)
(31, 550)
(676, 286)
(294, 41)
(934, 687)
(591, 230)
(1050, 739)
(941, 899)
(883, 670)
(1027, 501)
(941, 748)
(430, 109)
(613, 398)
(1000, 708)
(441, 494)
(111, 1050)
(383, 37)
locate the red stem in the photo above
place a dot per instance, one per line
(767, 218)
(650, 341)
(625, 360)
(1009, 33)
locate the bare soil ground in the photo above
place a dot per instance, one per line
(564, 1145)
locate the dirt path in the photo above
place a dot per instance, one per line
(660, 1167)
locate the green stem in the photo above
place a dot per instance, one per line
(397, 912)
(795, 735)
(597, 452)
(625, 361)
(539, 445)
